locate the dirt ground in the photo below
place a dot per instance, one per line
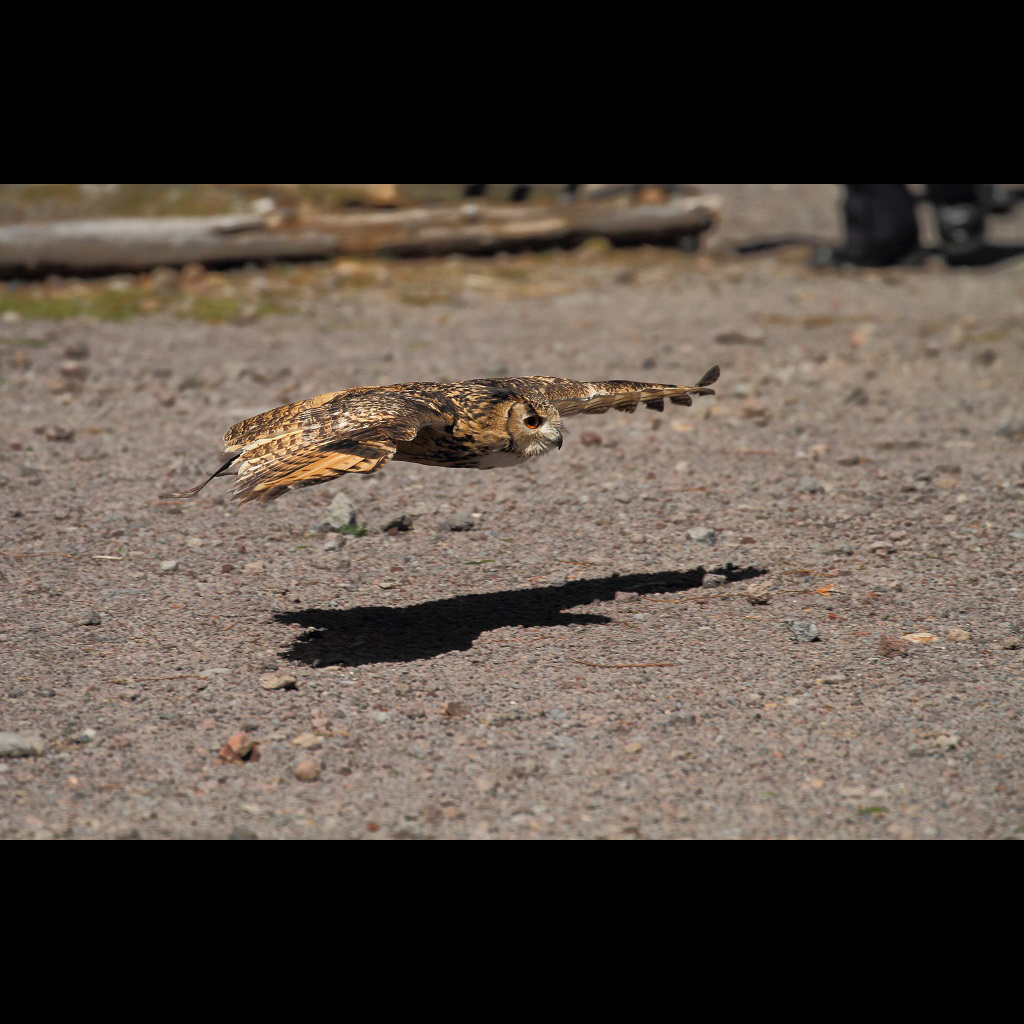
(792, 611)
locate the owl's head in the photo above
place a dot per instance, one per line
(534, 428)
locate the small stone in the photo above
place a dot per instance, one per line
(86, 617)
(335, 542)
(240, 748)
(280, 680)
(1013, 430)
(400, 524)
(307, 770)
(626, 596)
(838, 677)
(919, 638)
(1011, 642)
(957, 635)
(809, 485)
(803, 630)
(76, 350)
(460, 522)
(21, 744)
(168, 565)
(712, 579)
(760, 591)
(308, 741)
(339, 514)
(54, 433)
(734, 337)
(73, 370)
(702, 535)
(892, 647)
(590, 438)
(86, 736)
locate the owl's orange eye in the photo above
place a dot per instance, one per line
(533, 422)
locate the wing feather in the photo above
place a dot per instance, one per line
(308, 442)
(354, 431)
(571, 397)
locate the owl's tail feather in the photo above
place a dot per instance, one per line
(193, 491)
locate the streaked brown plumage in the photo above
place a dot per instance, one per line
(474, 424)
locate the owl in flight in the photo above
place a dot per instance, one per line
(470, 424)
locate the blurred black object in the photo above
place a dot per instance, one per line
(881, 224)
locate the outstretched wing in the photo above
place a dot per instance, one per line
(570, 397)
(354, 431)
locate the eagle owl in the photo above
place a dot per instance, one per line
(470, 424)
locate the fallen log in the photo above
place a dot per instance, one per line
(87, 247)
(140, 243)
(480, 228)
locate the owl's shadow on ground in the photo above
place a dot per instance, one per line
(369, 635)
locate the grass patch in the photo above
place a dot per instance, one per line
(352, 530)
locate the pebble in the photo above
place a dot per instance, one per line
(76, 350)
(713, 579)
(339, 514)
(957, 635)
(460, 522)
(701, 535)
(1011, 643)
(73, 370)
(760, 591)
(335, 542)
(240, 747)
(86, 617)
(809, 485)
(168, 565)
(803, 630)
(892, 647)
(55, 433)
(279, 680)
(740, 337)
(21, 744)
(400, 524)
(308, 741)
(307, 770)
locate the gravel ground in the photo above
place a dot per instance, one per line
(792, 611)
